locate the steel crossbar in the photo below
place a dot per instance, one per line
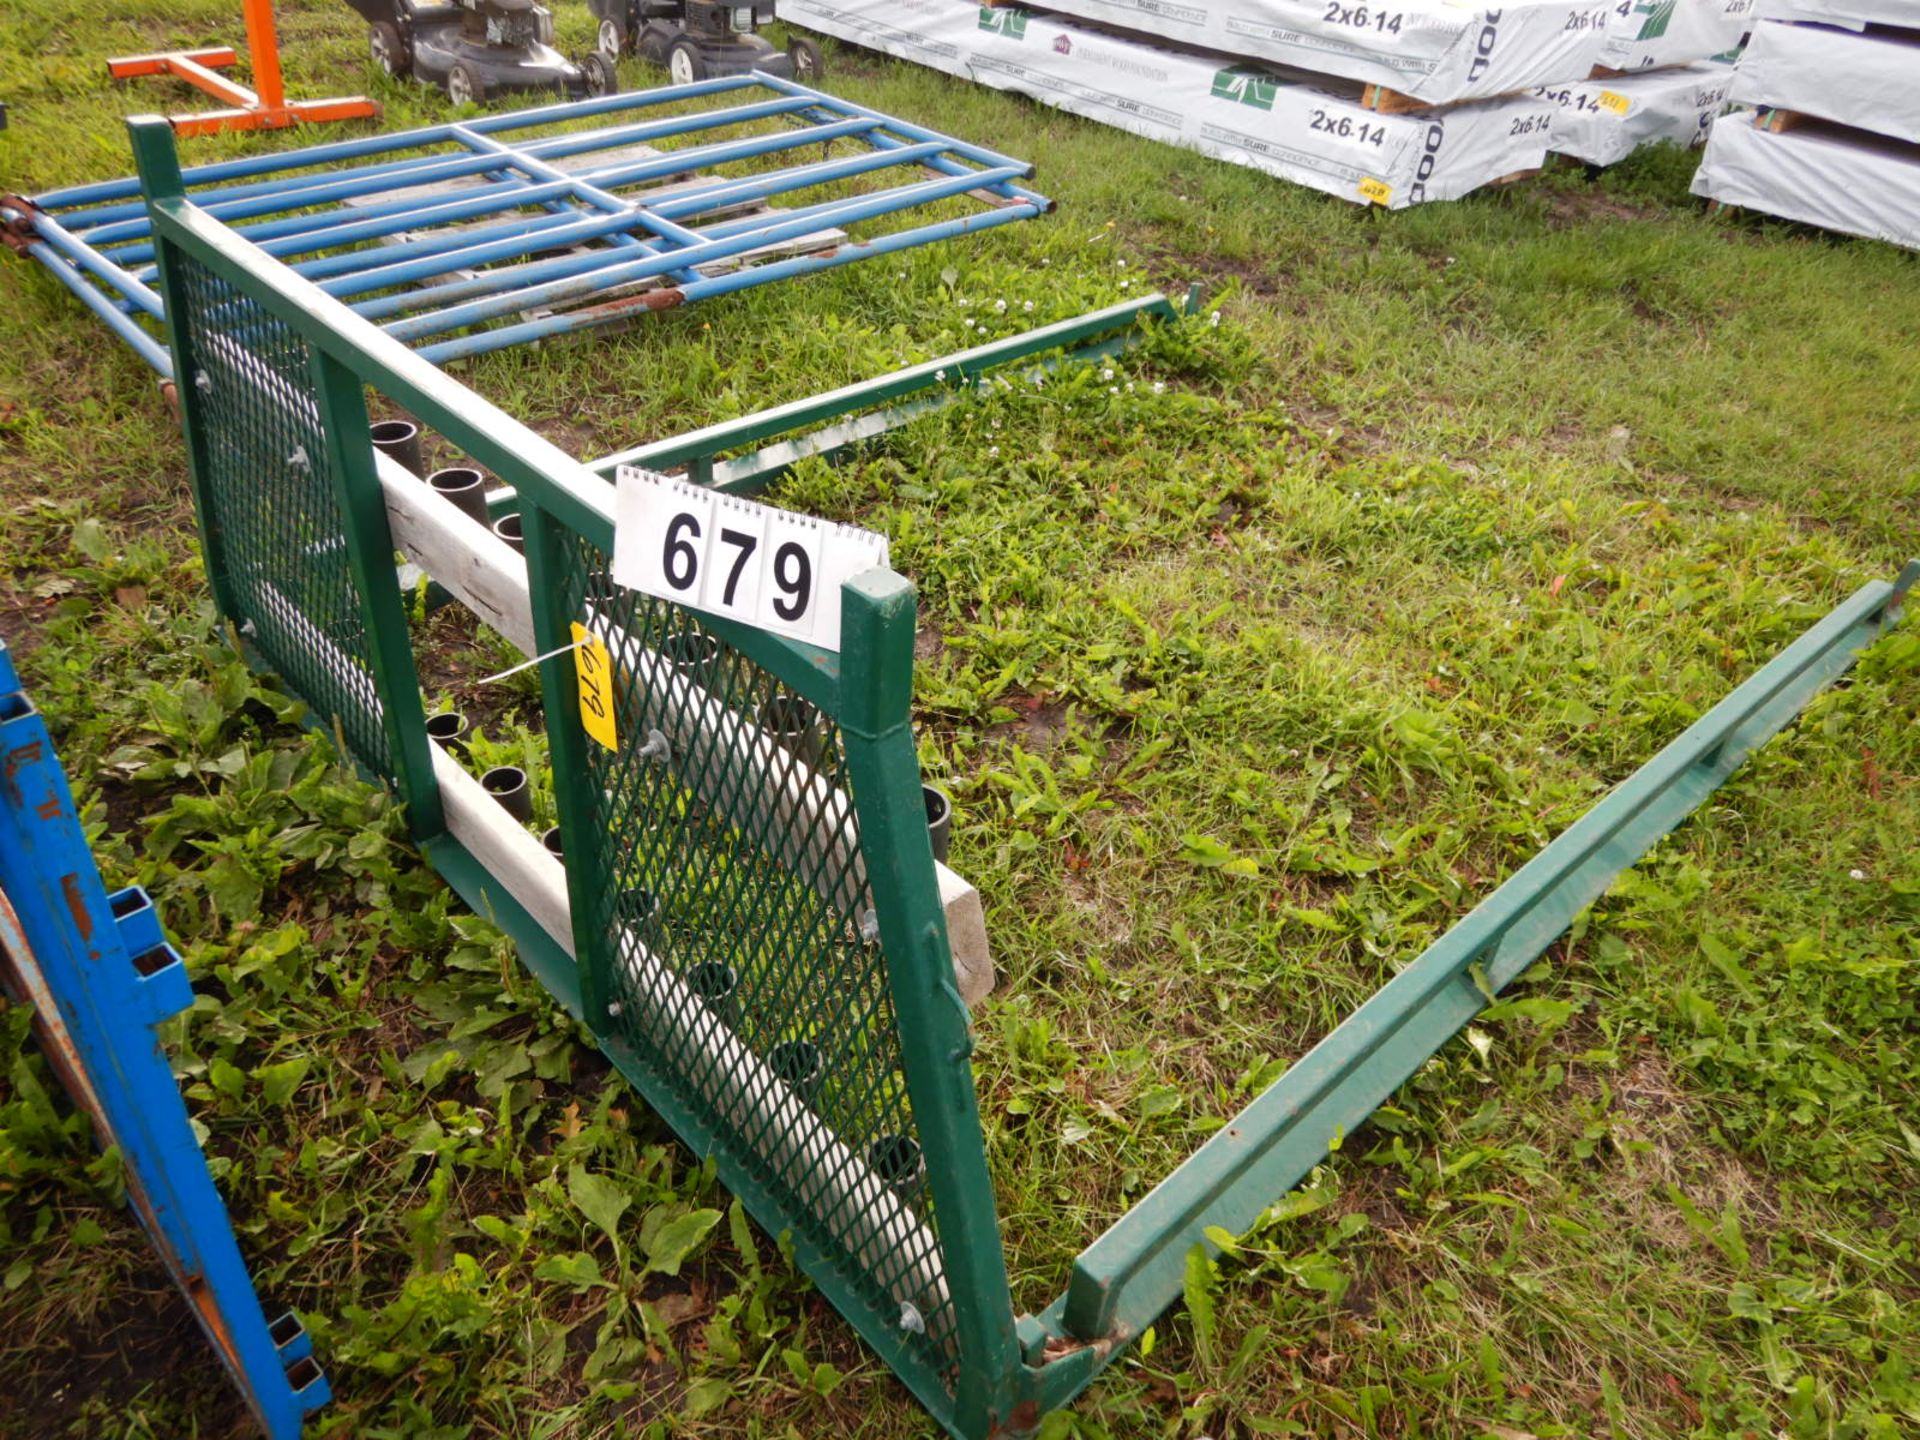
(507, 229)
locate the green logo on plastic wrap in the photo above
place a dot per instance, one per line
(1659, 15)
(1010, 23)
(1249, 87)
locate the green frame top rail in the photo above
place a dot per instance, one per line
(911, 1255)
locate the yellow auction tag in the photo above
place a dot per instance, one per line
(595, 668)
(1616, 102)
(1377, 191)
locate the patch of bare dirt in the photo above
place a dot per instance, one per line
(1579, 207)
(144, 1341)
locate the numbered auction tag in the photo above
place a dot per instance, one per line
(594, 667)
(756, 564)
(732, 584)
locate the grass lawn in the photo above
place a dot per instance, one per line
(1251, 665)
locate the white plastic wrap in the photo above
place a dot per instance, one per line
(1852, 14)
(1303, 128)
(1642, 34)
(1869, 81)
(1438, 51)
(1604, 121)
(1839, 180)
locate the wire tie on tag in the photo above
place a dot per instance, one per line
(529, 664)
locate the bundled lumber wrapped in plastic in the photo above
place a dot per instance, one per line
(1816, 173)
(1604, 121)
(1434, 51)
(1643, 34)
(1869, 80)
(1304, 128)
(1850, 14)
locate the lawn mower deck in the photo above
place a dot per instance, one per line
(701, 39)
(476, 49)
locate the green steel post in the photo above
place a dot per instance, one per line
(159, 166)
(349, 461)
(567, 753)
(936, 1046)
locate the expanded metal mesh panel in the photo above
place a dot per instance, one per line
(734, 919)
(274, 526)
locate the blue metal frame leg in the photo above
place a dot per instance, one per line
(100, 976)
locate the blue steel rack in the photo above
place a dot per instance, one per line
(459, 241)
(100, 976)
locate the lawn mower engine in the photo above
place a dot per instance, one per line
(479, 48)
(696, 39)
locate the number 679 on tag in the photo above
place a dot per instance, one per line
(761, 566)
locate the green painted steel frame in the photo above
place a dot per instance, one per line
(921, 389)
(1011, 1371)
(867, 689)
(1134, 1270)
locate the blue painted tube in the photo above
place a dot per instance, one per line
(977, 153)
(947, 165)
(127, 328)
(575, 230)
(126, 222)
(621, 237)
(493, 282)
(299, 233)
(612, 271)
(849, 251)
(135, 294)
(573, 321)
(129, 188)
(351, 226)
(439, 243)
(489, 252)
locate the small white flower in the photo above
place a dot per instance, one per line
(1027, 306)
(993, 450)
(1113, 389)
(999, 307)
(1159, 387)
(1046, 260)
(1129, 387)
(1126, 284)
(1107, 374)
(1214, 320)
(939, 374)
(1856, 874)
(964, 302)
(1121, 263)
(968, 324)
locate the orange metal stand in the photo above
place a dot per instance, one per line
(266, 109)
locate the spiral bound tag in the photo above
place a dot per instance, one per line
(773, 569)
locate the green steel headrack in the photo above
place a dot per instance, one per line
(756, 934)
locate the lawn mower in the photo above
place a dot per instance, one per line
(479, 48)
(696, 39)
